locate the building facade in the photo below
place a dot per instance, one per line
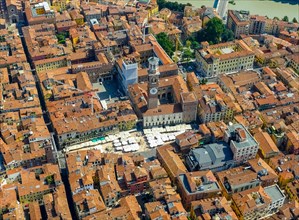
(222, 8)
(262, 25)
(197, 185)
(238, 22)
(163, 101)
(214, 110)
(257, 203)
(14, 11)
(127, 73)
(242, 144)
(221, 58)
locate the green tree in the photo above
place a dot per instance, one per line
(50, 179)
(188, 43)
(204, 81)
(187, 54)
(174, 6)
(194, 42)
(175, 59)
(195, 45)
(232, 2)
(214, 29)
(227, 35)
(285, 18)
(62, 36)
(166, 43)
(202, 36)
(295, 20)
(215, 32)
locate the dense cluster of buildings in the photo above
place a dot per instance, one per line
(242, 23)
(100, 181)
(239, 161)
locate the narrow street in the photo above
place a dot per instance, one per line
(39, 90)
(69, 197)
(59, 155)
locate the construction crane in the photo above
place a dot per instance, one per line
(177, 40)
(1, 91)
(113, 33)
(143, 31)
(89, 93)
(142, 34)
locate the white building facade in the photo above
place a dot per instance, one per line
(162, 119)
(222, 8)
(242, 144)
(128, 74)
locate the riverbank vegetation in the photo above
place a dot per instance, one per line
(232, 2)
(173, 6)
(286, 18)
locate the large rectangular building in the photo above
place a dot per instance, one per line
(128, 73)
(262, 25)
(215, 157)
(197, 185)
(214, 109)
(238, 179)
(238, 22)
(242, 144)
(227, 57)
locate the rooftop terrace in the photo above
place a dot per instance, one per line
(240, 136)
(274, 193)
(202, 184)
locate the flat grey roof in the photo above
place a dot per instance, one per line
(219, 151)
(215, 153)
(250, 141)
(202, 155)
(274, 192)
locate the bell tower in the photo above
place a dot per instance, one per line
(153, 83)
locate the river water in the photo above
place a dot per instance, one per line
(259, 7)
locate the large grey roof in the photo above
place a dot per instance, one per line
(274, 192)
(202, 155)
(213, 154)
(219, 151)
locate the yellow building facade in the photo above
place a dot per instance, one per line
(152, 10)
(60, 5)
(291, 190)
